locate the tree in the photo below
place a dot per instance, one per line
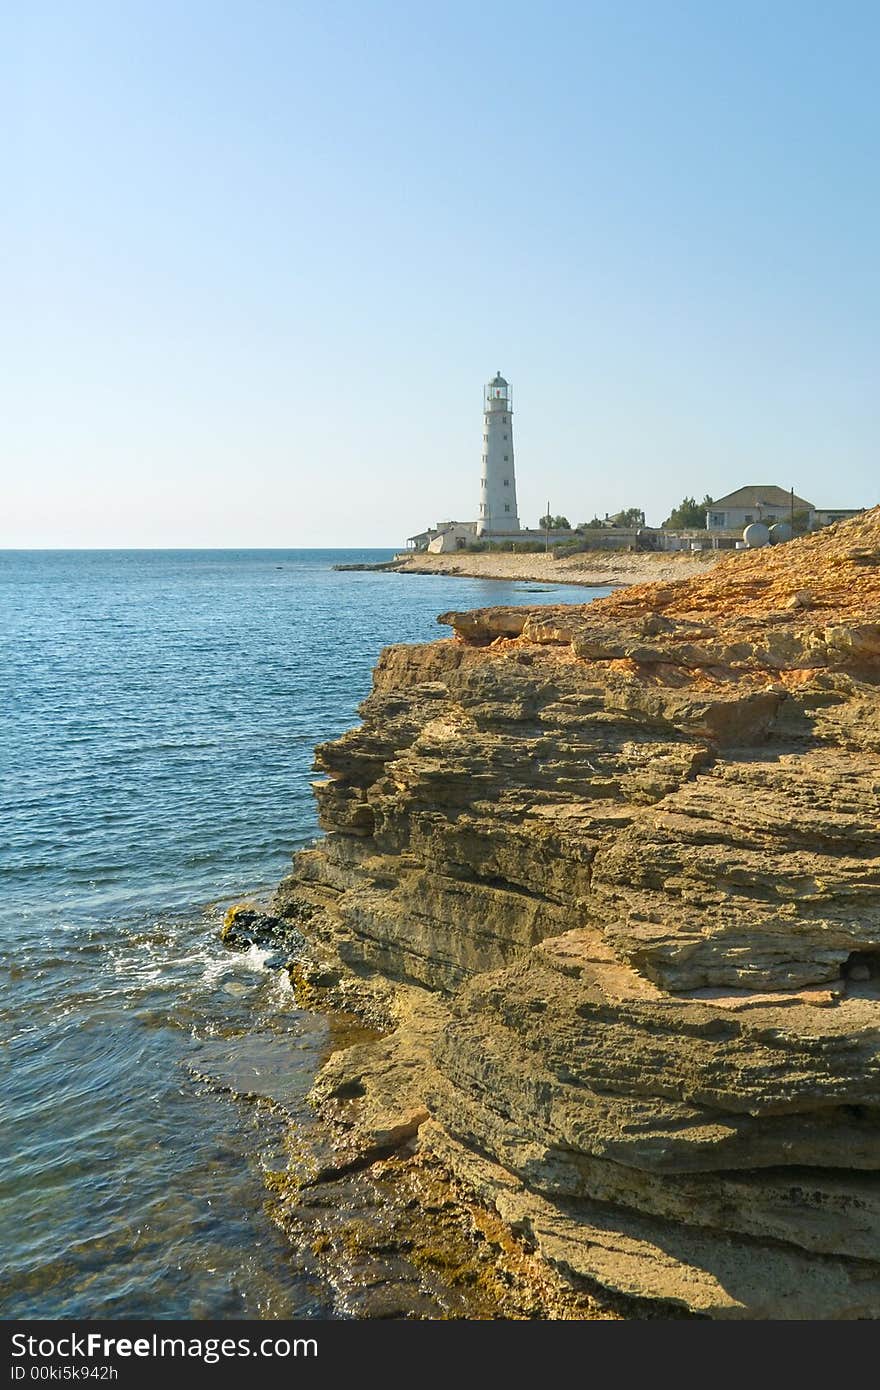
(594, 525)
(631, 516)
(555, 523)
(689, 515)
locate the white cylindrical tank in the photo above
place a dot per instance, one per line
(497, 510)
(756, 535)
(780, 531)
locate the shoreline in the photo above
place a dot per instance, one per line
(382, 1221)
(588, 569)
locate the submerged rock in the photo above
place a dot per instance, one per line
(611, 874)
(246, 925)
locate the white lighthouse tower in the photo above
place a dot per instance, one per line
(498, 511)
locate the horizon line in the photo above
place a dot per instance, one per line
(170, 549)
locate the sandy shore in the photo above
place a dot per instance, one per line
(592, 567)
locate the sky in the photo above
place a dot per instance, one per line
(259, 259)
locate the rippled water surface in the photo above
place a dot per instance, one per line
(159, 712)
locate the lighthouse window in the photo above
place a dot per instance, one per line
(506, 458)
(507, 506)
(507, 482)
(504, 419)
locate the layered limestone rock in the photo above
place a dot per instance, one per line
(612, 873)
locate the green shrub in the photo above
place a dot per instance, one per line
(510, 547)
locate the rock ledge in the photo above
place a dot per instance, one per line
(611, 874)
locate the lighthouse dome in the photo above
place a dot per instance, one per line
(498, 380)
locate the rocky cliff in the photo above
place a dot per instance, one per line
(611, 873)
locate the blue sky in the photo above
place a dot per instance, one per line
(259, 259)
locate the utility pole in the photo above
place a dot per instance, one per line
(547, 529)
(792, 513)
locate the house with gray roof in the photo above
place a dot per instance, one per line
(768, 503)
(756, 502)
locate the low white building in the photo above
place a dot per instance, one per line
(455, 535)
(826, 516)
(757, 502)
(446, 535)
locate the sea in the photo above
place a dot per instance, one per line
(157, 723)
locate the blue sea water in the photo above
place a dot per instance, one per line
(159, 712)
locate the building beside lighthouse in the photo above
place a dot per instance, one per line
(498, 513)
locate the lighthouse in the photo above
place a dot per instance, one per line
(498, 511)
